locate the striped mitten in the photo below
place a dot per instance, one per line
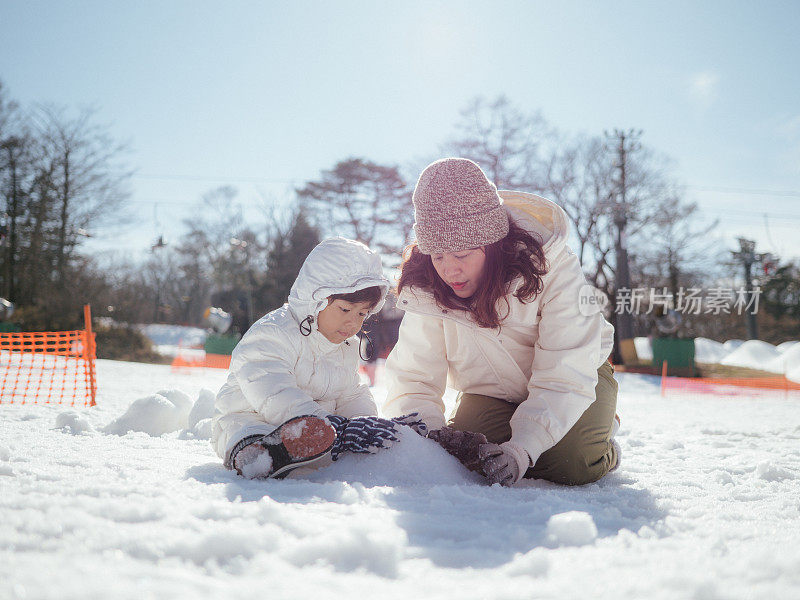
(362, 434)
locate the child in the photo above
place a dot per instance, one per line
(293, 394)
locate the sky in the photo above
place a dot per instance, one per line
(265, 95)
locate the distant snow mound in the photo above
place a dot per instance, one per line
(644, 349)
(709, 351)
(753, 354)
(174, 335)
(732, 345)
(787, 359)
(793, 374)
(787, 346)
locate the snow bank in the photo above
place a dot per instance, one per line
(732, 345)
(644, 349)
(786, 346)
(709, 351)
(786, 360)
(753, 354)
(174, 335)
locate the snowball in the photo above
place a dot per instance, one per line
(203, 408)
(154, 415)
(5, 471)
(770, 472)
(5, 452)
(574, 528)
(72, 422)
(202, 430)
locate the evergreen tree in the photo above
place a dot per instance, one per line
(290, 247)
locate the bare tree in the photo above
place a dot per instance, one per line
(507, 143)
(86, 177)
(364, 201)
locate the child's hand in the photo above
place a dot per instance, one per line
(363, 435)
(417, 425)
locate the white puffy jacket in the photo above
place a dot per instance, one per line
(544, 356)
(277, 373)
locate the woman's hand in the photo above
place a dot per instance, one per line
(461, 444)
(504, 463)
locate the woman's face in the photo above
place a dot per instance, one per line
(462, 271)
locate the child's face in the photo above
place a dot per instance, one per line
(342, 319)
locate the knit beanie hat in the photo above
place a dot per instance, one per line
(456, 207)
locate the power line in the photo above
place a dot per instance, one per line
(753, 192)
(226, 178)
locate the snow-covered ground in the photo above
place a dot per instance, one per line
(705, 505)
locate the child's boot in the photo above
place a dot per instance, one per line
(298, 442)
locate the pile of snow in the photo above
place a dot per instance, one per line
(167, 411)
(644, 349)
(732, 345)
(174, 335)
(785, 360)
(709, 351)
(753, 354)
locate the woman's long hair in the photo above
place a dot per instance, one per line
(519, 254)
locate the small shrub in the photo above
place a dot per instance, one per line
(122, 342)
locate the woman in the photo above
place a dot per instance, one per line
(493, 301)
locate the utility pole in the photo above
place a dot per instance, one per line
(748, 257)
(626, 143)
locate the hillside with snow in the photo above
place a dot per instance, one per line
(127, 500)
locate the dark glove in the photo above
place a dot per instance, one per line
(499, 464)
(362, 434)
(461, 444)
(417, 425)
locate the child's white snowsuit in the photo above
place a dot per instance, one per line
(277, 373)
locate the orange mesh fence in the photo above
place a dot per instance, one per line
(49, 367)
(734, 386)
(212, 361)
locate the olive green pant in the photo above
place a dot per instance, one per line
(582, 456)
